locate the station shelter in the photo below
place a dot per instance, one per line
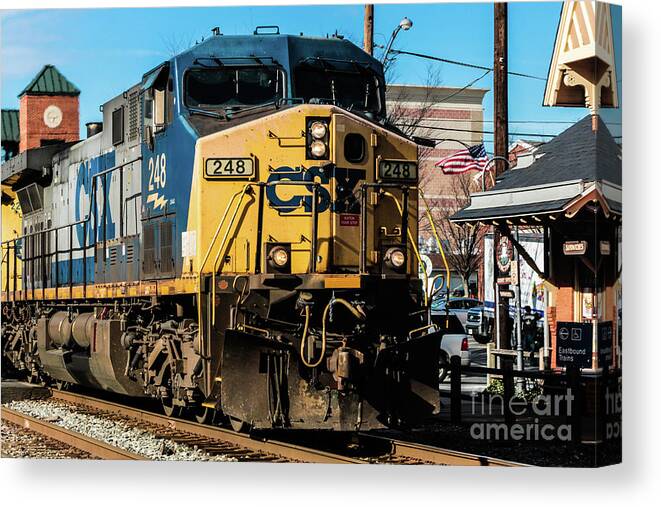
(572, 194)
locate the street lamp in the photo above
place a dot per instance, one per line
(404, 24)
(484, 171)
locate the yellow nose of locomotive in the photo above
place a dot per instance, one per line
(310, 188)
(376, 176)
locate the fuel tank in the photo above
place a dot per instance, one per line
(83, 349)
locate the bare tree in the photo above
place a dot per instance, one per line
(462, 243)
(401, 115)
(174, 43)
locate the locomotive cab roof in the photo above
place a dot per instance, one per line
(303, 65)
(286, 50)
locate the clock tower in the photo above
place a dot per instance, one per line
(48, 110)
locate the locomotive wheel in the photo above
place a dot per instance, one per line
(239, 425)
(170, 409)
(204, 415)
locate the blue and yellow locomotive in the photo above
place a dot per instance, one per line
(238, 239)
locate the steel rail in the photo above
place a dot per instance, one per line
(285, 450)
(399, 450)
(74, 439)
(436, 455)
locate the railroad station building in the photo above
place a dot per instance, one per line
(572, 193)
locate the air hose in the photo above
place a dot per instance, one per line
(359, 314)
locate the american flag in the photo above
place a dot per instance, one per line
(473, 158)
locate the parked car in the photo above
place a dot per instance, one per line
(480, 321)
(456, 306)
(454, 343)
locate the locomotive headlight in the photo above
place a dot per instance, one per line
(318, 130)
(318, 149)
(395, 257)
(279, 256)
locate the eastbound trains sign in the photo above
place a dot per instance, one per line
(574, 344)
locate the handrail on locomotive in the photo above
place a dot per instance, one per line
(21, 242)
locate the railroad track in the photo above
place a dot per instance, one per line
(72, 439)
(210, 439)
(365, 448)
(403, 452)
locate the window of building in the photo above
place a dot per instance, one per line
(50, 142)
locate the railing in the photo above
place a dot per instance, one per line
(43, 256)
(572, 378)
(362, 262)
(232, 212)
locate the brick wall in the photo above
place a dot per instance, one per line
(31, 120)
(561, 311)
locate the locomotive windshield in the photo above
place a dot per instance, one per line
(227, 87)
(346, 85)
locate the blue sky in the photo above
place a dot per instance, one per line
(103, 51)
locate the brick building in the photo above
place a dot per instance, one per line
(522, 153)
(48, 112)
(454, 118)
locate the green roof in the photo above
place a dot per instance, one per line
(49, 81)
(10, 130)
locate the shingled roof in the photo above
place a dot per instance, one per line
(576, 153)
(562, 170)
(50, 81)
(10, 130)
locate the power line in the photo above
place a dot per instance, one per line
(465, 87)
(489, 132)
(549, 122)
(461, 64)
(448, 139)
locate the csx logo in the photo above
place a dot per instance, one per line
(346, 201)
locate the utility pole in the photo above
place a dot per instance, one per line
(500, 85)
(368, 37)
(501, 312)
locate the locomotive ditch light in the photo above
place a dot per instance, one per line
(278, 257)
(395, 258)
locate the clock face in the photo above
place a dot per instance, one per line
(52, 116)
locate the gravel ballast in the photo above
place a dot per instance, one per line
(118, 433)
(18, 442)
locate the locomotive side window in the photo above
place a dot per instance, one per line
(169, 102)
(239, 86)
(158, 109)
